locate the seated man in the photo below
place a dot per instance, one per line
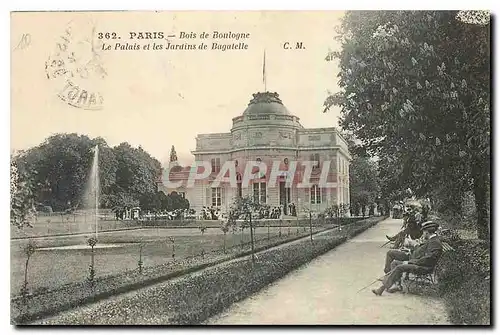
(423, 259)
(411, 227)
(402, 254)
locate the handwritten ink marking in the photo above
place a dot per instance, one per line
(76, 58)
(24, 42)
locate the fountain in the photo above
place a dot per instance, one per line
(91, 194)
(94, 186)
(91, 203)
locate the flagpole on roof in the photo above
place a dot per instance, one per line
(264, 79)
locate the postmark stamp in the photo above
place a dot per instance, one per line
(76, 66)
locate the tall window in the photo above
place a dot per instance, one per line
(259, 192)
(315, 194)
(315, 158)
(215, 165)
(216, 197)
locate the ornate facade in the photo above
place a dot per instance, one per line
(267, 132)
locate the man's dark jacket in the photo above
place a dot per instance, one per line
(428, 253)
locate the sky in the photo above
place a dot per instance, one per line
(161, 98)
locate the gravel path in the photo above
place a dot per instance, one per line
(325, 291)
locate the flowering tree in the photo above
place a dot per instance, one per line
(416, 93)
(22, 203)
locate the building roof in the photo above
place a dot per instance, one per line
(266, 103)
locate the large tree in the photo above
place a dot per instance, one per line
(137, 172)
(363, 177)
(22, 199)
(60, 168)
(415, 92)
(363, 182)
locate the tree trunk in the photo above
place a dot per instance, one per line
(251, 239)
(481, 200)
(26, 272)
(224, 242)
(310, 226)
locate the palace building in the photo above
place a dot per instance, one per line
(267, 132)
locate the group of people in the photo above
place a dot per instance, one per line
(292, 210)
(266, 212)
(210, 213)
(176, 214)
(417, 249)
(413, 218)
(417, 256)
(263, 212)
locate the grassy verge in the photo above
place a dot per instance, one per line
(198, 295)
(51, 268)
(464, 281)
(45, 302)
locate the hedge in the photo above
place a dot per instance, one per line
(195, 297)
(43, 302)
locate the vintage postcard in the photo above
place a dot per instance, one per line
(250, 168)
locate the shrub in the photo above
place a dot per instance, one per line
(463, 282)
(469, 303)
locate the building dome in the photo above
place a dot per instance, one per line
(266, 103)
(265, 122)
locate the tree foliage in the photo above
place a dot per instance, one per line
(363, 177)
(137, 172)
(22, 199)
(60, 166)
(415, 92)
(159, 201)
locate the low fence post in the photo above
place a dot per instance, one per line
(251, 239)
(310, 226)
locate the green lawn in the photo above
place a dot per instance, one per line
(53, 267)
